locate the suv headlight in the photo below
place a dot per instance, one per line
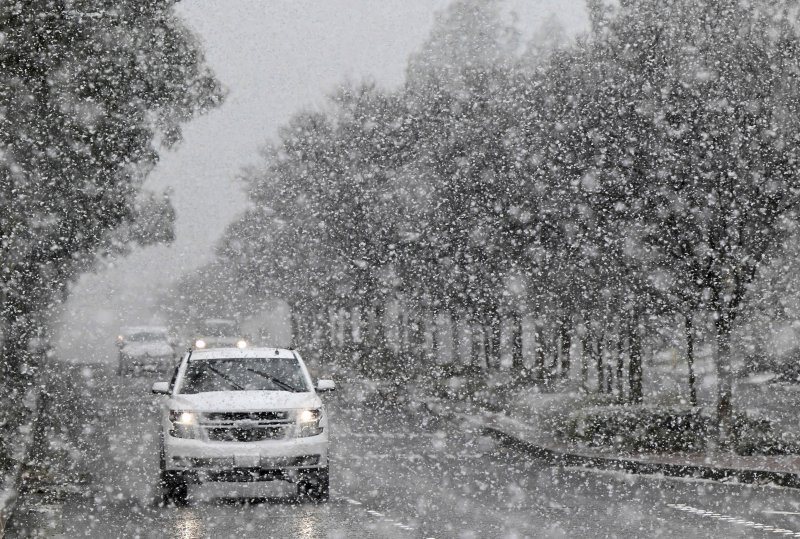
(199, 343)
(184, 424)
(308, 423)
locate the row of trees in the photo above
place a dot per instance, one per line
(89, 92)
(643, 172)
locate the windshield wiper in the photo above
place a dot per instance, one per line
(225, 377)
(281, 384)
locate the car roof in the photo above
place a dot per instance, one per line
(219, 322)
(242, 353)
(131, 330)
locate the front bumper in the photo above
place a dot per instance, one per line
(287, 459)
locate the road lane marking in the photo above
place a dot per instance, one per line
(769, 512)
(732, 520)
(376, 514)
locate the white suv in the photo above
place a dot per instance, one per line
(243, 415)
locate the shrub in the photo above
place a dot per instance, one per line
(756, 436)
(638, 428)
(669, 429)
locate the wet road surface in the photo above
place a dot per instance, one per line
(394, 473)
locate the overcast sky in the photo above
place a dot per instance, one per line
(275, 57)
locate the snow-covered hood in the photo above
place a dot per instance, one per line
(221, 342)
(152, 349)
(244, 401)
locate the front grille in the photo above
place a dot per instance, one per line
(246, 426)
(239, 416)
(245, 475)
(253, 434)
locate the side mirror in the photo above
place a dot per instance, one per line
(161, 388)
(325, 385)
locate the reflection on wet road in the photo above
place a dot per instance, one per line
(394, 473)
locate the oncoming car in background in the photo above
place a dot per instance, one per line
(145, 347)
(218, 333)
(238, 415)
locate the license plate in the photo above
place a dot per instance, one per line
(247, 461)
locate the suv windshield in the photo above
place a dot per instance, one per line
(146, 337)
(252, 374)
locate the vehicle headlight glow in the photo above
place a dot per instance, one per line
(199, 343)
(184, 424)
(308, 423)
(182, 418)
(307, 416)
(241, 343)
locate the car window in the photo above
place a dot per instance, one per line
(146, 337)
(252, 374)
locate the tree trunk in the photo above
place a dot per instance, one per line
(609, 360)
(420, 342)
(634, 361)
(517, 362)
(295, 339)
(381, 356)
(487, 346)
(357, 323)
(620, 366)
(329, 342)
(565, 341)
(309, 330)
(555, 349)
(725, 394)
(585, 352)
(689, 328)
(455, 352)
(404, 361)
(330, 325)
(475, 344)
(597, 351)
(433, 321)
(381, 342)
(495, 323)
(368, 325)
(402, 332)
(538, 357)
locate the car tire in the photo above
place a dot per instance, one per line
(174, 488)
(314, 486)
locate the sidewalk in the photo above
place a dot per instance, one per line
(526, 421)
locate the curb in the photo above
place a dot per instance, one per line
(8, 504)
(555, 457)
(559, 458)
